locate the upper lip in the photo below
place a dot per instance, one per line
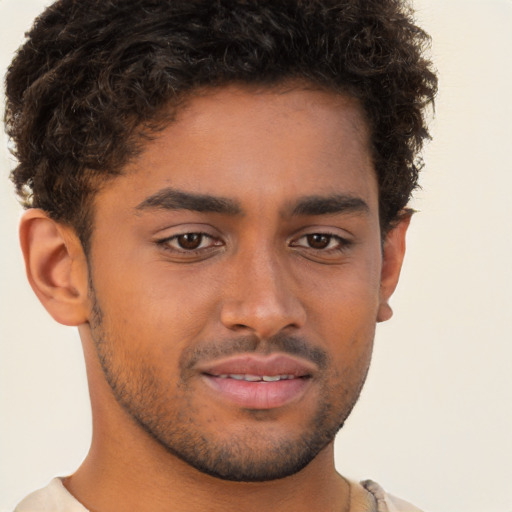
(252, 364)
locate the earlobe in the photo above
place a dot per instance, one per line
(392, 259)
(56, 266)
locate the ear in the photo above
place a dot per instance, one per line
(56, 266)
(392, 258)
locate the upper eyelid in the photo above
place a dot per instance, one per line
(346, 237)
(323, 229)
(341, 239)
(177, 235)
(174, 231)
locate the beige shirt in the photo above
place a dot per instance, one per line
(364, 497)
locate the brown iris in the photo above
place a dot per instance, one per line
(190, 241)
(318, 241)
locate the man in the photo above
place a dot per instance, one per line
(217, 197)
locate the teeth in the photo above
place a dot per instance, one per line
(255, 378)
(252, 378)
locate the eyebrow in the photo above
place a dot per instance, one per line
(329, 205)
(172, 199)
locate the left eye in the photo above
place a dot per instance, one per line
(190, 242)
(320, 241)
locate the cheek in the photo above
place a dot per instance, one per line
(154, 312)
(347, 299)
(343, 314)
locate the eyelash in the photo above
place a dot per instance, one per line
(165, 243)
(342, 243)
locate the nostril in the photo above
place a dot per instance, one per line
(240, 327)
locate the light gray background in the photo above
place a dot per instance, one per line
(434, 424)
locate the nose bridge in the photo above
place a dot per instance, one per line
(261, 296)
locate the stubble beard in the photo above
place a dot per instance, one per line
(247, 456)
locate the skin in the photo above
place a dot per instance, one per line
(274, 265)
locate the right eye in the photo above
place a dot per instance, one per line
(189, 243)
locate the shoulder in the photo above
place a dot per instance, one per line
(387, 502)
(52, 498)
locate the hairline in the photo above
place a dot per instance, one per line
(169, 114)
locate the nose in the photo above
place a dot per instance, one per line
(261, 297)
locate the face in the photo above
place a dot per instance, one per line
(235, 275)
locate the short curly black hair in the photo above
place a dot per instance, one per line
(97, 77)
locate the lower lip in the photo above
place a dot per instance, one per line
(259, 395)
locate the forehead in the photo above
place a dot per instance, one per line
(257, 145)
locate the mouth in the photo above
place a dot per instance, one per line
(256, 378)
(259, 382)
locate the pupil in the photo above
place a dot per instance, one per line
(190, 240)
(317, 241)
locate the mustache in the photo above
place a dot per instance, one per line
(282, 343)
